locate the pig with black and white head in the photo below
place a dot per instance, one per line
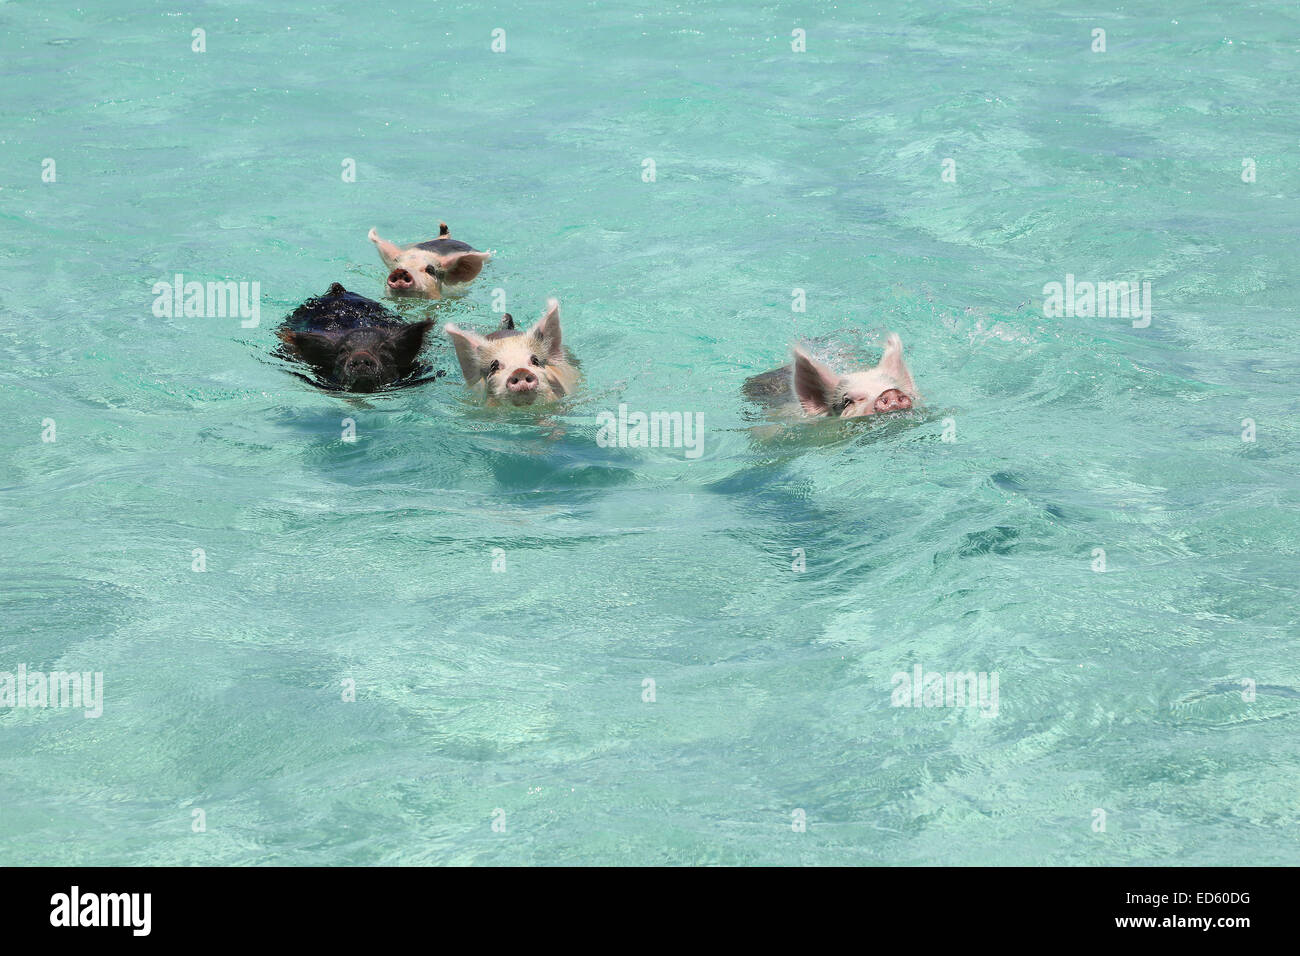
(429, 270)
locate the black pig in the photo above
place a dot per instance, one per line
(353, 343)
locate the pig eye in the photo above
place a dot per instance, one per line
(535, 361)
(848, 400)
(494, 367)
(432, 271)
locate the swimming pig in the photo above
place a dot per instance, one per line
(820, 391)
(512, 367)
(426, 268)
(353, 343)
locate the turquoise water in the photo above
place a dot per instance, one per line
(521, 690)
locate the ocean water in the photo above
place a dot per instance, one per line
(567, 653)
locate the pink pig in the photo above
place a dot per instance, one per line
(425, 269)
(819, 390)
(513, 367)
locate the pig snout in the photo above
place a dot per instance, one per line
(521, 381)
(361, 368)
(400, 280)
(892, 400)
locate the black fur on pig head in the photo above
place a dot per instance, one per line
(361, 360)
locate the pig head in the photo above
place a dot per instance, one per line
(362, 359)
(819, 390)
(513, 367)
(427, 269)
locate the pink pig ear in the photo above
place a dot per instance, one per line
(387, 251)
(892, 364)
(467, 352)
(547, 331)
(462, 266)
(814, 383)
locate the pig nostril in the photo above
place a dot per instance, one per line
(893, 400)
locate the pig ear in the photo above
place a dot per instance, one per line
(814, 383)
(892, 364)
(387, 251)
(547, 331)
(462, 266)
(312, 347)
(408, 340)
(467, 346)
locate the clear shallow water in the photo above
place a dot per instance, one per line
(372, 561)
